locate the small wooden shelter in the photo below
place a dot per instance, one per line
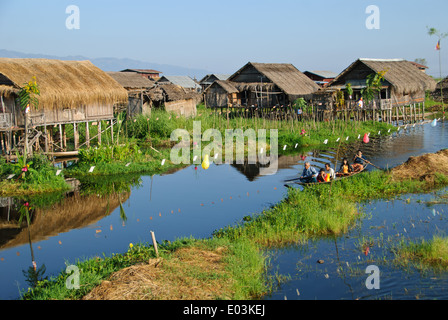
(174, 99)
(403, 89)
(136, 85)
(263, 85)
(441, 88)
(403, 84)
(71, 93)
(210, 78)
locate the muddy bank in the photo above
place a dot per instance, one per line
(422, 168)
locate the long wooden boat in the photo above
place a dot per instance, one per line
(340, 177)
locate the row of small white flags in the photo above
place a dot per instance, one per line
(433, 124)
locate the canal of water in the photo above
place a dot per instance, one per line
(196, 202)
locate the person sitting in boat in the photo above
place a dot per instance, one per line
(331, 175)
(309, 174)
(346, 168)
(322, 176)
(359, 162)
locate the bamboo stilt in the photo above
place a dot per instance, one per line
(76, 136)
(99, 132)
(87, 134)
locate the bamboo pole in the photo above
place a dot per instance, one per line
(76, 135)
(46, 138)
(99, 132)
(64, 131)
(2, 143)
(60, 137)
(87, 134)
(112, 131)
(154, 242)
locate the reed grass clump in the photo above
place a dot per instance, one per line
(423, 254)
(36, 176)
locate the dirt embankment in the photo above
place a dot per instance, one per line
(423, 168)
(190, 274)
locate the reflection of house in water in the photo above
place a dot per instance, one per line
(72, 213)
(252, 171)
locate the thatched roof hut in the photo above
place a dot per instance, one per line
(170, 92)
(136, 85)
(441, 88)
(284, 75)
(442, 84)
(63, 84)
(132, 80)
(210, 78)
(403, 79)
(174, 98)
(227, 86)
(261, 84)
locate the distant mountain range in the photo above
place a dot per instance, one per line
(116, 64)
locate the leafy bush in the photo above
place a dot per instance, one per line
(108, 154)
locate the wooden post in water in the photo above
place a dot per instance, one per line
(405, 119)
(76, 135)
(397, 116)
(154, 242)
(415, 113)
(50, 138)
(99, 132)
(2, 143)
(112, 131)
(87, 134)
(46, 138)
(64, 135)
(60, 137)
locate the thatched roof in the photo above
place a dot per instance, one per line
(234, 87)
(210, 78)
(63, 84)
(287, 77)
(228, 86)
(254, 86)
(441, 90)
(403, 75)
(8, 90)
(442, 84)
(131, 80)
(171, 92)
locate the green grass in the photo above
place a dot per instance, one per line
(243, 262)
(40, 178)
(301, 215)
(423, 254)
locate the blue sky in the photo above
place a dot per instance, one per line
(221, 36)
